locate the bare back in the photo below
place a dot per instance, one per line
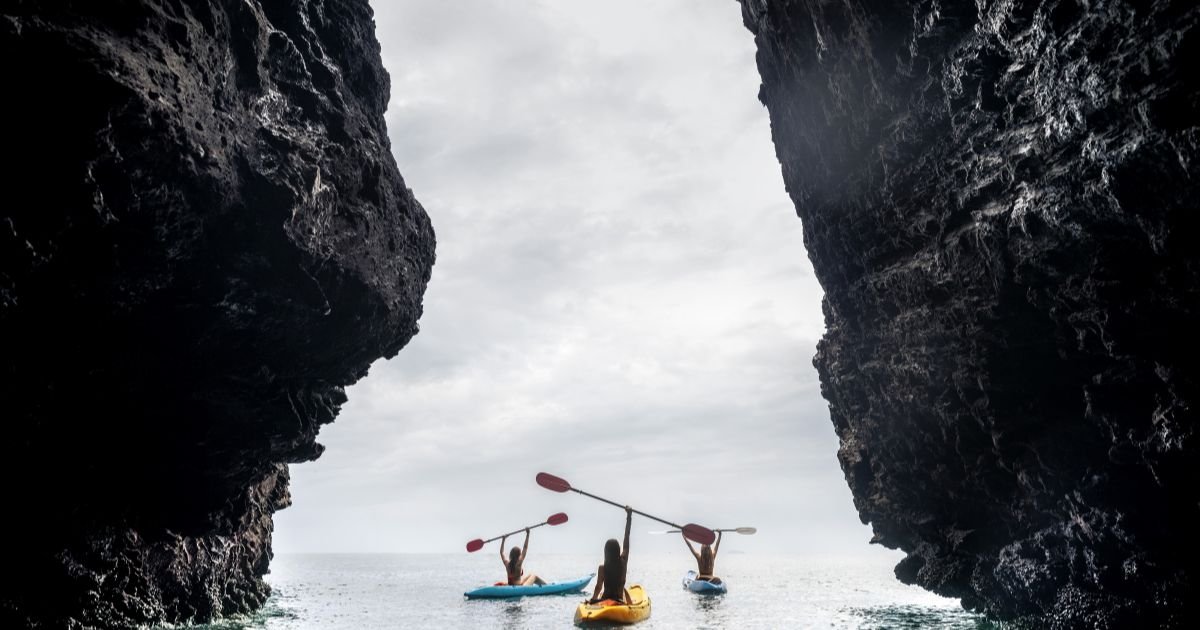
(613, 579)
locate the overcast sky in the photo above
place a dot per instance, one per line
(621, 295)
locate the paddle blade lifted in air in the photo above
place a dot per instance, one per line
(741, 530)
(698, 533)
(550, 482)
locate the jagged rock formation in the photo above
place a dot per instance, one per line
(204, 239)
(1000, 200)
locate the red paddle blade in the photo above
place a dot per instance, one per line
(557, 519)
(474, 545)
(702, 535)
(550, 482)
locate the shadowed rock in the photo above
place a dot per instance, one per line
(204, 239)
(1000, 200)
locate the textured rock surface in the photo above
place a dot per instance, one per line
(1000, 200)
(203, 239)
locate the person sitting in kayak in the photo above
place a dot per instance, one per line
(610, 576)
(514, 562)
(706, 560)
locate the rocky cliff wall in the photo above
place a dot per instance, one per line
(204, 238)
(1000, 200)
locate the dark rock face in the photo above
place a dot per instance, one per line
(1000, 200)
(204, 239)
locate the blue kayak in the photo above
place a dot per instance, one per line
(554, 588)
(704, 587)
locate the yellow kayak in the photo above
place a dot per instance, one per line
(613, 612)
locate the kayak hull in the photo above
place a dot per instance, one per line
(554, 588)
(704, 587)
(612, 612)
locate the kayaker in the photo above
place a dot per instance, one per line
(514, 563)
(706, 560)
(610, 576)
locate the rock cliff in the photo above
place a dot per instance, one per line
(204, 239)
(1000, 200)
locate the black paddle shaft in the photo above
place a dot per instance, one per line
(586, 494)
(698, 533)
(516, 532)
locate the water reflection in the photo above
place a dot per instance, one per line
(514, 615)
(711, 610)
(917, 618)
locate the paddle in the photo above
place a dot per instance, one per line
(700, 534)
(555, 519)
(741, 530)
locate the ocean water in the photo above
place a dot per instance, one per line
(361, 591)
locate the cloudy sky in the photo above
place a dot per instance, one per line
(621, 297)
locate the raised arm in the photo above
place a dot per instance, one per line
(628, 523)
(690, 547)
(503, 558)
(718, 546)
(525, 548)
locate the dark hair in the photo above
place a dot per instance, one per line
(705, 552)
(612, 553)
(614, 570)
(514, 556)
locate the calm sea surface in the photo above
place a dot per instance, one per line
(425, 591)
